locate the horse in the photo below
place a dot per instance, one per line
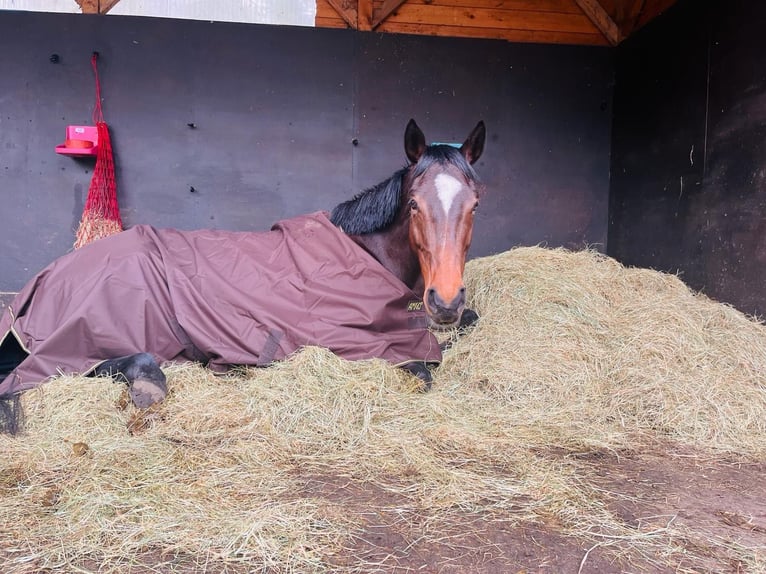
(417, 225)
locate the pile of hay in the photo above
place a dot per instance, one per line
(572, 352)
(602, 354)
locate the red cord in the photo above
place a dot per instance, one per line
(98, 115)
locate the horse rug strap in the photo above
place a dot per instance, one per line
(220, 297)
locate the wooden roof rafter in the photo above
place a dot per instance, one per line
(346, 9)
(625, 16)
(361, 14)
(631, 17)
(385, 11)
(601, 20)
(96, 6)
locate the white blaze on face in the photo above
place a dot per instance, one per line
(447, 187)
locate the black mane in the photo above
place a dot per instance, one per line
(376, 208)
(371, 210)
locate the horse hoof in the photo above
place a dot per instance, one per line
(145, 392)
(468, 318)
(146, 381)
(421, 372)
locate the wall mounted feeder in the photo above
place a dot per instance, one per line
(81, 141)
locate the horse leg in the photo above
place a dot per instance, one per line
(420, 370)
(11, 356)
(146, 381)
(467, 319)
(11, 414)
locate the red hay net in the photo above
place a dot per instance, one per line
(101, 216)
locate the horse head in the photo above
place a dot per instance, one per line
(418, 223)
(441, 198)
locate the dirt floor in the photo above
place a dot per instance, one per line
(702, 500)
(701, 511)
(715, 505)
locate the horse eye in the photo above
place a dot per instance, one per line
(475, 207)
(413, 205)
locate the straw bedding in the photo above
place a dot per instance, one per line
(573, 353)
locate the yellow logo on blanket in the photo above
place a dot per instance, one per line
(415, 306)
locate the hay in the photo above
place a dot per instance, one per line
(605, 355)
(95, 226)
(572, 352)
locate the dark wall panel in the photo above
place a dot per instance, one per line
(276, 110)
(735, 177)
(271, 108)
(689, 162)
(658, 143)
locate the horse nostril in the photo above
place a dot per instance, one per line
(433, 298)
(458, 301)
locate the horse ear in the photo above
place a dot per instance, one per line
(414, 141)
(474, 144)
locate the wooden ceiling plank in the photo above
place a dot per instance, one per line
(601, 20)
(436, 15)
(347, 10)
(566, 6)
(327, 12)
(385, 11)
(512, 35)
(338, 22)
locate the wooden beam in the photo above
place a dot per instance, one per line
(632, 10)
(105, 5)
(96, 6)
(327, 16)
(601, 20)
(347, 10)
(88, 6)
(385, 11)
(364, 13)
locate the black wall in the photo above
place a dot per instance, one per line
(276, 110)
(688, 187)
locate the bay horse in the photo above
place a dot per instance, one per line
(417, 224)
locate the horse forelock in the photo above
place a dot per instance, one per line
(443, 155)
(372, 210)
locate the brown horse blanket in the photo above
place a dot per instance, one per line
(219, 297)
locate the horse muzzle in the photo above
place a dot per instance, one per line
(441, 314)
